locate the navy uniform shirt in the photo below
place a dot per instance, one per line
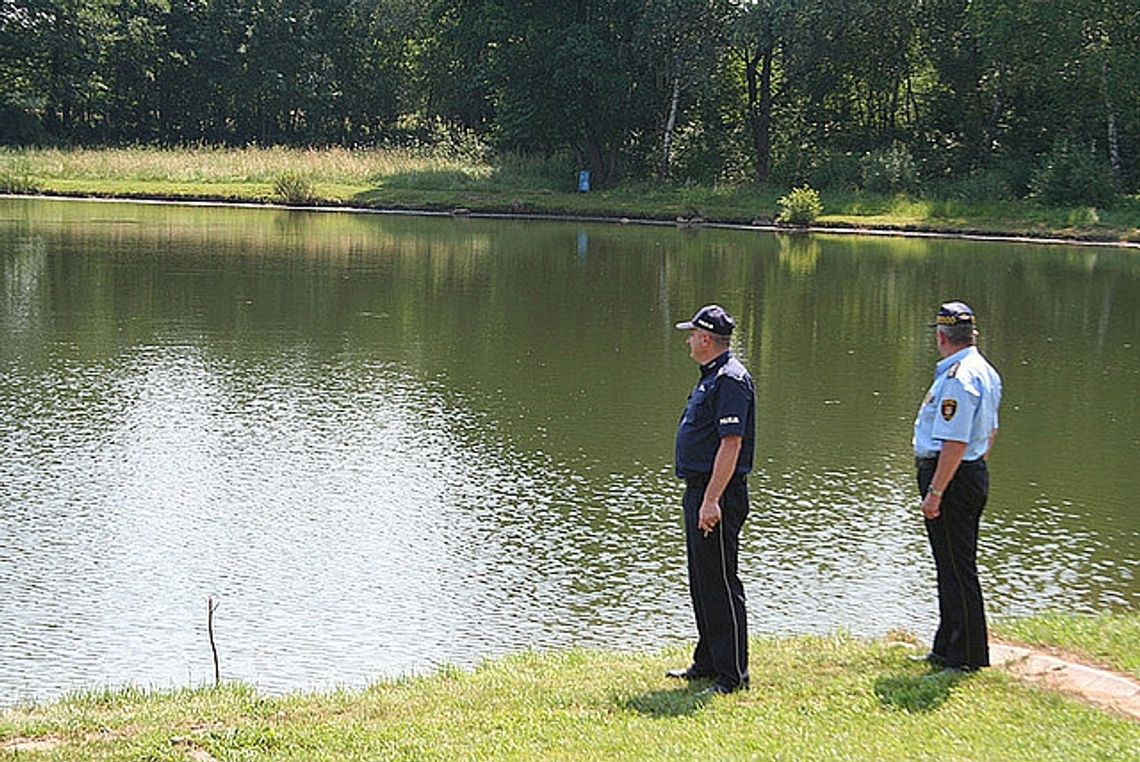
(960, 406)
(723, 403)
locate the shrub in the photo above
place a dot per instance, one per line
(540, 170)
(699, 155)
(18, 123)
(294, 188)
(449, 141)
(818, 167)
(15, 176)
(1083, 215)
(801, 206)
(835, 171)
(889, 170)
(11, 182)
(980, 185)
(1072, 175)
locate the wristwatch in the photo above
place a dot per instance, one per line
(935, 492)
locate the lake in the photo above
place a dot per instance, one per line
(385, 443)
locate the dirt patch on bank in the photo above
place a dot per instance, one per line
(1060, 672)
(17, 745)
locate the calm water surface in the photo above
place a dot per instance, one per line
(387, 443)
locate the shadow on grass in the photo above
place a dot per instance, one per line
(675, 703)
(910, 693)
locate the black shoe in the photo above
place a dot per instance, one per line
(692, 672)
(950, 673)
(723, 689)
(931, 658)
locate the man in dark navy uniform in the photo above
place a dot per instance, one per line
(715, 442)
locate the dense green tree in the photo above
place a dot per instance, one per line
(685, 38)
(53, 64)
(956, 120)
(1111, 41)
(570, 75)
(135, 47)
(21, 61)
(1014, 78)
(848, 62)
(756, 37)
(458, 61)
(793, 89)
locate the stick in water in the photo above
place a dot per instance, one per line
(211, 607)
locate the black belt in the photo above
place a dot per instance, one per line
(699, 480)
(921, 463)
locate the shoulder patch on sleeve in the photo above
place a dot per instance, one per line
(949, 408)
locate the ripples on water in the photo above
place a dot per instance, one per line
(368, 526)
(354, 522)
(350, 521)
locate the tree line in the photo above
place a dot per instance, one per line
(994, 98)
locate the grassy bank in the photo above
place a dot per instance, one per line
(820, 698)
(447, 180)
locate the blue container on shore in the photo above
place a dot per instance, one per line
(584, 180)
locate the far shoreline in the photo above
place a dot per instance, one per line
(552, 216)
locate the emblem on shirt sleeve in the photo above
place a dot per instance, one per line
(949, 408)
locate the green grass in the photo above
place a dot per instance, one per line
(420, 178)
(818, 698)
(1112, 640)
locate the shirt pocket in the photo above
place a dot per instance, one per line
(698, 407)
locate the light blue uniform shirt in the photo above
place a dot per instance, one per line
(961, 406)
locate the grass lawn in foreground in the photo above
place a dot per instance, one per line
(812, 698)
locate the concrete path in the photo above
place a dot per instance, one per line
(1096, 686)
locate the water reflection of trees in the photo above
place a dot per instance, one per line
(576, 339)
(22, 274)
(516, 304)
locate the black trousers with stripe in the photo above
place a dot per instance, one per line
(961, 639)
(714, 584)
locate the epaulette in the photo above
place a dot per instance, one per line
(954, 369)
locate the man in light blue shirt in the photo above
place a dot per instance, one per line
(953, 433)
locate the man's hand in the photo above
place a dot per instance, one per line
(723, 467)
(931, 506)
(948, 461)
(709, 516)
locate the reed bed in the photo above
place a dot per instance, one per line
(208, 164)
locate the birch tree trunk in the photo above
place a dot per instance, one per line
(1113, 136)
(670, 124)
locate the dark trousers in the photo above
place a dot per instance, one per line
(715, 587)
(961, 639)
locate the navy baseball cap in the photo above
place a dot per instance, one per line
(954, 313)
(711, 318)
